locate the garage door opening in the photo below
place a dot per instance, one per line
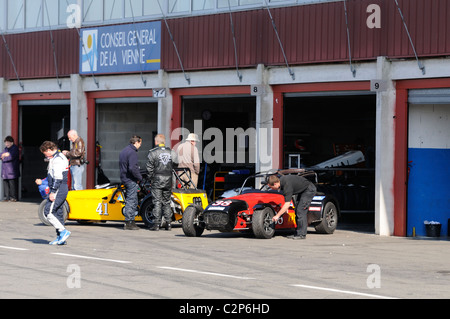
(209, 115)
(117, 121)
(40, 121)
(428, 159)
(317, 129)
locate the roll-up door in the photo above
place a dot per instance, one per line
(118, 119)
(428, 159)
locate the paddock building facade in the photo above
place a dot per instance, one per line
(288, 83)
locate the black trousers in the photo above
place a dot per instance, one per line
(161, 205)
(10, 188)
(301, 209)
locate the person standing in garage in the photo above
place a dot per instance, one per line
(130, 175)
(10, 169)
(291, 185)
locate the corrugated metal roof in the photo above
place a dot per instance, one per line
(314, 33)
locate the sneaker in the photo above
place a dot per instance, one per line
(296, 237)
(54, 242)
(63, 237)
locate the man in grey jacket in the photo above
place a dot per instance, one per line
(130, 176)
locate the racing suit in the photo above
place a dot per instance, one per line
(159, 167)
(57, 173)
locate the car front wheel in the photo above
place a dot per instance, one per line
(44, 218)
(262, 224)
(193, 226)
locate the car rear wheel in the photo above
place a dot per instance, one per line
(193, 226)
(329, 221)
(262, 224)
(42, 216)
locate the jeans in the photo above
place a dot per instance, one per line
(131, 201)
(77, 176)
(302, 209)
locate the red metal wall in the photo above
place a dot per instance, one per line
(310, 34)
(32, 53)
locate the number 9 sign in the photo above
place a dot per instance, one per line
(378, 85)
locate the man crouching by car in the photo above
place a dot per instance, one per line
(291, 185)
(159, 166)
(130, 175)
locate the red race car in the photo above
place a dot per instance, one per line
(253, 209)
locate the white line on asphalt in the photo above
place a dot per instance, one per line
(13, 248)
(206, 273)
(94, 258)
(344, 291)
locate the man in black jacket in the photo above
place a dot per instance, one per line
(159, 166)
(291, 185)
(130, 176)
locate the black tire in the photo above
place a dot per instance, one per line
(192, 224)
(262, 224)
(329, 221)
(146, 212)
(44, 219)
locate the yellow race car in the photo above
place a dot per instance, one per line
(106, 202)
